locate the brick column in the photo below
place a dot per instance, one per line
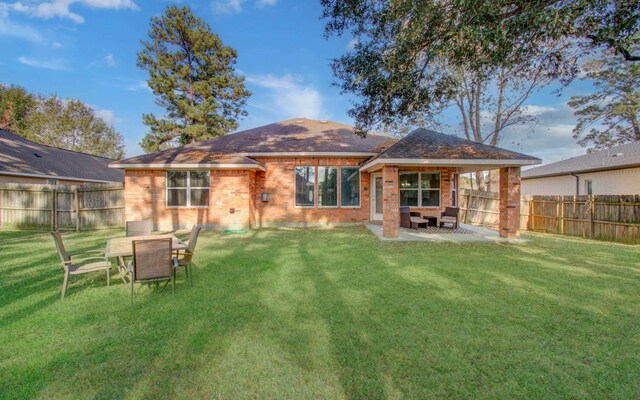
(391, 202)
(509, 202)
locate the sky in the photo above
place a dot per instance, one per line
(86, 49)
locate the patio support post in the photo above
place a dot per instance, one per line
(391, 202)
(509, 226)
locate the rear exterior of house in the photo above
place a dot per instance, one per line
(614, 171)
(23, 161)
(303, 172)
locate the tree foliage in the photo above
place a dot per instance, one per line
(404, 66)
(610, 116)
(192, 75)
(64, 123)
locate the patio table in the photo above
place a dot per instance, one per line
(123, 247)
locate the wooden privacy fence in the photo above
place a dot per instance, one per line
(482, 208)
(607, 217)
(52, 207)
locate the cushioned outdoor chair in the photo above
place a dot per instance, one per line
(450, 216)
(153, 262)
(78, 265)
(138, 228)
(185, 256)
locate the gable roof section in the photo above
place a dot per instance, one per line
(432, 147)
(298, 136)
(22, 157)
(624, 156)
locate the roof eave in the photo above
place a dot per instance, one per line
(469, 164)
(187, 166)
(583, 171)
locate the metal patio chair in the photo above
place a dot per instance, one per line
(73, 265)
(153, 262)
(185, 256)
(138, 228)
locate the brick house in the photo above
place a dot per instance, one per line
(303, 172)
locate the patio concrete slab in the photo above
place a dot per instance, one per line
(478, 235)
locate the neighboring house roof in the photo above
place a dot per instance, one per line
(305, 137)
(434, 147)
(22, 157)
(620, 157)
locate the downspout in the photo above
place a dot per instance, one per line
(577, 183)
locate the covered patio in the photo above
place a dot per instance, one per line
(421, 172)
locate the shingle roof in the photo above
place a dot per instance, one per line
(298, 135)
(19, 155)
(624, 156)
(424, 143)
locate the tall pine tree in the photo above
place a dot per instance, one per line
(192, 74)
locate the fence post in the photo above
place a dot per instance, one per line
(77, 205)
(54, 207)
(592, 214)
(532, 214)
(466, 215)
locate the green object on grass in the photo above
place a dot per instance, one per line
(235, 231)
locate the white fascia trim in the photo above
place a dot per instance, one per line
(336, 154)
(447, 161)
(66, 178)
(187, 166)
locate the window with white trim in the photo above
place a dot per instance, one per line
(327, 187)
(420, 189)
(454, 190)
(305, 186)
(187, 188)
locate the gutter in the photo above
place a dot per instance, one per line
(577, 183)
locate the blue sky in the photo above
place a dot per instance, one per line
(86, 49)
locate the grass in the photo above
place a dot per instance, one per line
(328, 314)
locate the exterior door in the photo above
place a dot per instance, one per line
(376, 197)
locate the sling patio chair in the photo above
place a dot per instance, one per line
(185, 256)
(153, 262)
(78, 265)
(138, 228)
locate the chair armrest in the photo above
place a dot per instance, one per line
(82, 259)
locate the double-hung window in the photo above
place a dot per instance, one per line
(187, 188)
(327, 186)
(349, 186)
(454, 190)
(420, 189)
(305, 186)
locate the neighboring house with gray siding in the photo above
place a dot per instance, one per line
(23, 161)
(613, 171)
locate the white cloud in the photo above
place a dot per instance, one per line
(351, 44)
(110, 60)
(55, 64)
(533, 110)
(137, 86)
(227, 6)
(12, 29)
(108, 116)
(235, 6)
(56, 45)
(289, 95)
(61, 8)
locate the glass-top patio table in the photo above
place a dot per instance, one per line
(123, 247)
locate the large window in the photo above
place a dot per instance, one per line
(350, 187)
(420, 189)
(327, 186)
(187, 188)
(454, 190)
(305, 186)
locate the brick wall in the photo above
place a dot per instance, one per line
(279, 182)
(391, 202)
(509, 225)
(230, 201)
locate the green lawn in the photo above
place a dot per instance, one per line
(323, 314)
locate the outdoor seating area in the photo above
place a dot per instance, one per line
(141, 257)
(416, 220)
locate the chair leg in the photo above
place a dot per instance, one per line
(107, 277)
(131, 291)
(173, 283)
(65, 283)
